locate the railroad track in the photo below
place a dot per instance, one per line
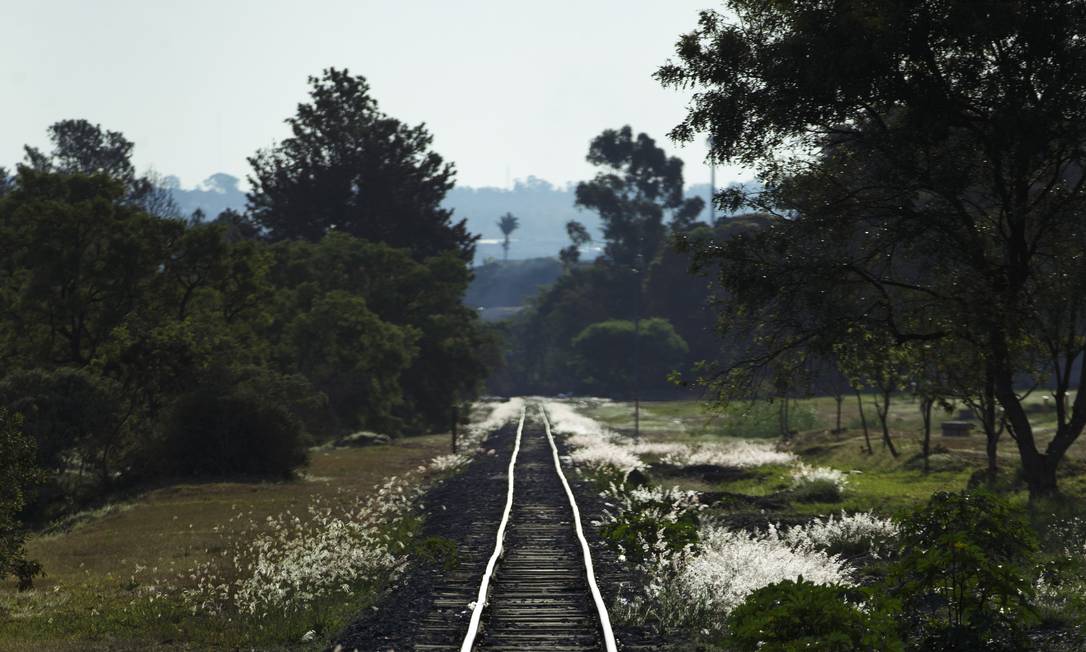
(538, 590)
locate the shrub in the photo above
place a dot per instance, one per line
(799, 615)
(652, 522)
(17, 473)
(731, 564)
(962, 573)
(817, 484)
(292, 391)
(736, 455)
(850, 534)
(72, 416)
(219, 431)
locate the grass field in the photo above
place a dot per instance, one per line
(877, 482)
(105, 568)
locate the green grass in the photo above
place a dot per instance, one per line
(876, 481)
(101, 571)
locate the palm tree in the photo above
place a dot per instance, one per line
(507, 223)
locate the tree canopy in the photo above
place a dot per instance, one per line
(637, 186)
(80, 147)
(349, 167)
(507, 224)
(928, 157)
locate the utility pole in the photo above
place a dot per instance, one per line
(637, 347)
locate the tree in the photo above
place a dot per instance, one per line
(606, 352)
(80, 147)
(89, 260)
(447, 353)
(17, 475)
(637, 186)
(578, 237)
(928, 156)
(507, 223)
(349, 167)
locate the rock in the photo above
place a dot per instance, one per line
(362, 438)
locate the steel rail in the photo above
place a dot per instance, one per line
(601, 608)
(484, 586)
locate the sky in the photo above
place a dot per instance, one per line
(510, 89)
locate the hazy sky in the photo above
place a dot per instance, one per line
(508, 88)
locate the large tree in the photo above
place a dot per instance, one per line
(349, 167)
(929, 156)
(637, 186)
(80, 147)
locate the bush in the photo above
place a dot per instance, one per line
(604, 355)
(962, 574)
(817, 490)
(817, 484)
(652, 521)
(799, 615)
(218, 431)
(292, 391)
(72, 416)
(17, 473)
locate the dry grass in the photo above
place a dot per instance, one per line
(107, 558)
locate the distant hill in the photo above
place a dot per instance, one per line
(215, 194)
(543, 209)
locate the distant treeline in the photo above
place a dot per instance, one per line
(543, 209)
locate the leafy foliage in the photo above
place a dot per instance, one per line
(963, 575)
(348, 167)
(17, 475)
(615, 355)
(919, 186)
(73, 417)
(793, 615)
(218, 430)
(638, 183)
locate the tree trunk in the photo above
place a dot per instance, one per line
(787, 420)
(863, 422)
(1039, 471)
(840, 398)
(925, 414)
(455, 429)
(883, 410)
(991, 450)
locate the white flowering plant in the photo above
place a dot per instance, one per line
(862, 533)
(648, 524)
(292, 564)
(738, 455)
(818, 484)
(291, 568)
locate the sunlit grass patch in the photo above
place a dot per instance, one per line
(114, 578)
